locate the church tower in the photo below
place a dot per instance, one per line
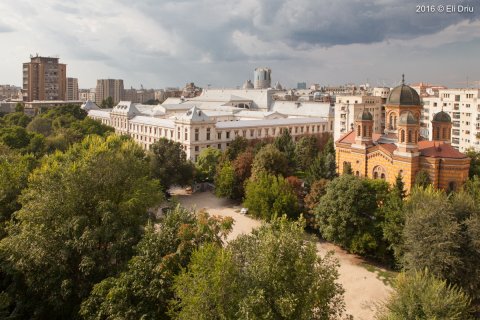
(363, 129)
(408, 132)
(441, 127)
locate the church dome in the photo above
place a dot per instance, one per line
(407, 118)
(442, 116)
(403, 95)
(365, 116)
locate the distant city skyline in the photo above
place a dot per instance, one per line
(220, 42)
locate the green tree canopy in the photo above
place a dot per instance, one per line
(207, 164)
(144, 290)
(347, 214)
(284, 143)
(422, 296)
(169, 164)
(273, 273)
(107, 103)
(268, 195)
(474, 162)
(269, 159)
(422, 179)
(237, 146)
(81, 214)
(17, 119)
(225, 181)
(305, 151)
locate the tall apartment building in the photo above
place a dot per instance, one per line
(9, 92)
(109, 88)
(463, 106)
(72, 89)
(348, 107)
(44, 78)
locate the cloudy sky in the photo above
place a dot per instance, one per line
(161, 43)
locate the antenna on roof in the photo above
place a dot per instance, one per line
(403, 79)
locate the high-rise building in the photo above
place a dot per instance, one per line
(262, 78)
(72, 89)
(44, 79)
(301, 85)
(109, 88)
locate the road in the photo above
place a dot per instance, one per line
(363, 288)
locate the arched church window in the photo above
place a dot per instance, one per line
(437, 133)
(444, 133)
(409, 136)
(382, 176)
(395, 122)
(402, 136)
(379, 172)
(416, 136)
(391, 121)
(359, 129)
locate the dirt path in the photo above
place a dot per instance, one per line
(363, 288)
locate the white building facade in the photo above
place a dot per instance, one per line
(214, 119)
(463, 106)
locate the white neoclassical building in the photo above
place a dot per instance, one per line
(215, 118)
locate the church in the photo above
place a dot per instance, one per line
(401, 149)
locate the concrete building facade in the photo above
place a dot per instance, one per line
(262, 78)
(109, 88)
(44, 78)
(463, 106)
(72, 89)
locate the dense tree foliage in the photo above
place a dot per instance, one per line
(268, 195)
(420, 295)
(474, 163)
(273, 273)
(144, 290)
(269, 159)
(169, 164)
(206, 165)
(107, 103)
(422, 179)
(80, 215)
(284, 143)
(347, 214)
(441, 233)
(305, 151)
(323, 166)
(236, 147)
(225, 181)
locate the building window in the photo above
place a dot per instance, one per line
(379, 172)
(409, 136)
(197, 133)
(228, 134)
(197, 148)
(208, 133)
(219, 136)
(219, 146)
(359, 131)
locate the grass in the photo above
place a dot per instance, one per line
(386, 276)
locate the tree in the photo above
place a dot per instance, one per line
(420, 295)
(394, 215)
(80, 216)
(145, 288)
(347, 214)
(207, 164)
(15, 137)
(284, 143)
(19, 107)
(399, 186)
(89, 126)
(40, 125)
(107, 103)
(422, 179)
(312, 199)
(268, 195)
(225, 181)
(431, 234)
(474, 162)
(237, 146)
(305, 150)
(14, 171)
(273, 273)
(17, 119)
(269, 159)
(243, 170)
(169, 164)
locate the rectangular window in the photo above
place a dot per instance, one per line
(219, 146)
(219, 136)
(197, 133)
(196, 148)
(208, 134)
(228, 134)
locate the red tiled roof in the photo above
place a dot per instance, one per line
(437, 149)
(350, 137)
(389, 147)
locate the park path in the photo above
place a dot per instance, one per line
(363, 288)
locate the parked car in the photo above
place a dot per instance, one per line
(244, 211)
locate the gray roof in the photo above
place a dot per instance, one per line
(166, 123)
(407, 117)
(442, 116)
(268, 122)
(365, 116)
(403, 95)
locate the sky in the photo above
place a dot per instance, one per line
(161, 43)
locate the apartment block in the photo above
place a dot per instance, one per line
(463, 106)
(72, 89)
(44, 78)
(109, 88)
